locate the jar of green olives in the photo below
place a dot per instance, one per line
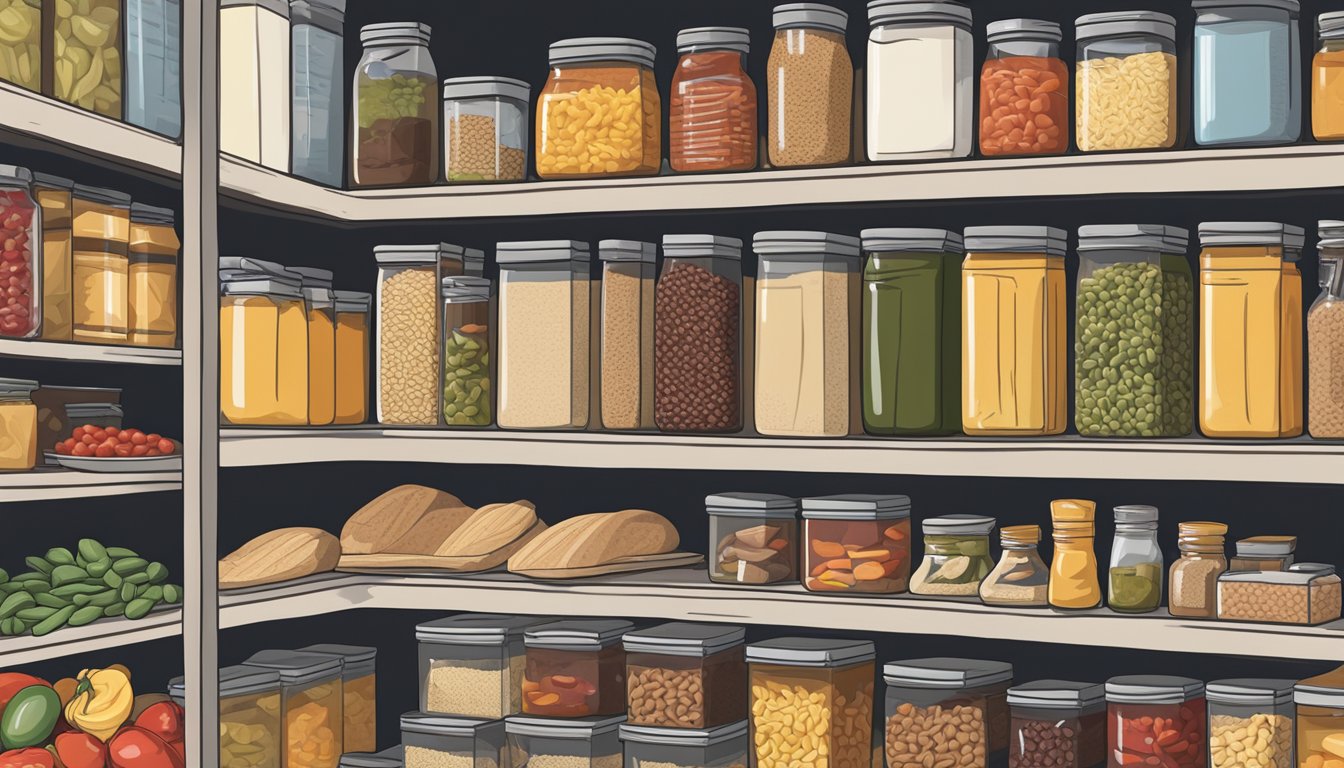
(1134, 347)
(396, 115)
(467, 381)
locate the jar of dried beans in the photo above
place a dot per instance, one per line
(1125, 85)
(627, 333)
(468, 374)
(1155, 716)
(684, 675)
(824, 685)
(396, 110)
(101, 265)
(485, 129)
(953, 709)
(1251, 723)
(712, 114)
(857, 543)
(575, 668)
(21, 259)
(698, 335)
(1194, 577)
(1057, 723)
(811, 87)
(1305, 593)
(1325, 339)
(1024, 98)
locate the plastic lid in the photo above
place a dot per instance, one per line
(948, 673)
(711, 38)
(465, 287)
(1250, 691)
(352, 301)
(151, 214)
(1213, 5)
(370, 760)
(295, 667)
(286, 289)
(627, 250)
(1120, 23)
(234, 681)
(682, 638)
(856, 506)
(428, 253)
(12, 387)
(1298, 574)
(1248, 233)
(1152, 689)
(476, 628)
(1048, 240)
(958, 525)
(255, 266)
(1331, 26)
(1320, 569)
(584, 728)
(915, 239)
(1267, 546)
(88, 410)
(350, 654)
(313, 277)
(446, 725)
(683, 737)
(1325, 690)
(328, 5)
(1158, 237)
(804, 243)
(1057, 694)
(52, 181)
(810, 16)
(811, 652)
(922, 11)
(1023, 29)
(275, 6)
(577, 634)
(536, 251)
(702, 245)
(96, 194)
(759, 505)
(395, 30)
(485, 87)
(587, 49)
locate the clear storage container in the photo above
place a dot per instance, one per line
(712, 110)
(545, 329)
(53, 194)
(254, 91)
(1140, 709)
(485, 129)
(826, 684)
(468, 372)
(1024, 53)
(575, 668)
(810, 87)
(1320, 718)
(263, 353)
(1264, 553)
(1057, 723)
(21, 267)
(686, 676)
(54, 423)
(471, 665)
(597, 85)
(543, 742)
(912, 332)
(99, 414)
(392, 757)
(18, 424)
(1014, 353)
(756, 538)
(249, 715)
(857, 543)
(100, 265)
(1135, 572)
(359, 688)
(1306, 593)
(1125, 86)
(311, 718)
(807, 342)
(1247, 72)
(21, 61)
(395, 139)
(1325, 329)
(436, 741)
(352, 356)
(1194, 577)
(1073, 569)
(154, 65)
(1327, 87)
(627, 333)
(956, 556)
(725, 746)
(698, 344)
(1254, 715)
(926, 696)
(317, 146)
(1021, 577)
(921, 86)
(83, 33)
(320, 305)
(152, 269)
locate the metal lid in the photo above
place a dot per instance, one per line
(1250, 691)
(152, 214)
(810, 16)
(1292, 6)
(427, 253)
(584, 728)
(370, 760)
(285, 289)
(958, 525)
(1057, 694)
(683, 737)
(917, 11)
(257, 267)
(97, 194)
(946, 673)
(915, 239)
(295, 667)
(536, 251)
(485, 87)
(327, 14)
(1319, 569)
(702, 245)
(811, 652)
(1330, 26)
(314, 277)
(391, 31)
(1152, 689)
(714, 38)
(1023, 29)
(627, 250)
(762, 505)
(13, 387)
(1051, 241)
(1124, 23)
(576, 50)
(349, 654)
(87, 410)
(466, 287)
(1267, 546)
(856, 506)
(52, 181)
(683, 638)
(577, 634)
(804, 243)
(279, 7)
(1325, 690)
(446, 725)
(1249, 233)
(352, 301)
(1131, 514)
(236, 680)
(475, 629)
(1151, 237)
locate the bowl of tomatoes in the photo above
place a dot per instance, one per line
(92, 448)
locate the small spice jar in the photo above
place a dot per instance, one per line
(627, 333)
(352, 356)
(1194, 577)
(712, 115)
(927, 696)
(471, 665)
(1125, 85)
(152, 298)
(547, 742)
(18, 424)
(100, 265)
(53, 194)
(468, 373)
(485, 129)
(1250, 721)
(434, 741)
(857, 543)
(1073, 569)
(1024, 53)
(810, 89)
(249, 715)
(359, 684)
(1305, 594)
(1140, 709)
(756, 535)
(311, 719)
(722, 747)
(575, 668)
(1057, 723)
(1320, 718)
(21, 265)
(669, 665)
(1135, 574)
(956, 556)
(1021, 577)
(1264, 553)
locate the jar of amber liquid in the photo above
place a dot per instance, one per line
(352, 356)
(712, 115)
(18, 424)
(263, 353)
(152, 269)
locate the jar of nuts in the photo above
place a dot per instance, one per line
(1320, 720)
(1024, 97)
(437, 741)
(684, 675)
(485, 129)
(1251, 723)
(1144, 711)
(249, 715)
(1306, 593)
(1057, 723)
(575, 668)
(857, 543)
(721, 747)
(548, 742)
(756, 535)
(952, 708)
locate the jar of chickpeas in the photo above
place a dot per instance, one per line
(599, 113)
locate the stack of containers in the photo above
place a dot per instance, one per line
(359, 687)
(311, 701)
(249, 715)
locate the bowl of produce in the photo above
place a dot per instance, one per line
(92, 448)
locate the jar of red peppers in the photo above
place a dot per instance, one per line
(575, 668)
(713, 115)
(1024, 101)
(857, 542)
(1156, 720)
(21, 258)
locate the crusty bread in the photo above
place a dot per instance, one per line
(280, 555)
(409, 519)
(491, 528)
(596, 539)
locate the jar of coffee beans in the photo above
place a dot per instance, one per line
(1057, 723)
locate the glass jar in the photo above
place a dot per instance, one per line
(1250, 331)
(1134, 341)
(102, 415)
(756, 535)
(956, 556)
(857, 543)
(575, 668)
(627, 333)
(254, 97)
(723, 747)
(1320, 718)
(1135, 574)
(712, 114)
(317, 122)
(320, 306)
(920, 59)
(53, 195)
(154, 65)
(359, 684)
(392, 757)
(1073, 570)
(18, 424)
(596, 85)
(82, 33)
(1024, 53)
(1194, 577)
(485, 129)
(794, 677)
(926, 696)
(1140, 708)
(1327, 87)
(1305, 594)
(21, 40)
(21, 267)
(545, 742)
(249, 715)
(1247, 72)
(810, 91)
(1325, 330)
(671, 664)
(1013, 331)
(911, 324)
(352, 356)
(396, 136)
(1264, 553)
(1125, 87)
(152, 269)
(433, 741)
(1020, 579)
(468, 374)
(698, 348)
(471, 665)
(1057, 723)
(311, 717)
(1239, 708)
(101, 267)
(263, 353)
(54, 423)
(807, 315)
(545, 329)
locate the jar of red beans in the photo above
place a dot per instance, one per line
(713, 116)
(1024, 101)
(1156, 720)
(21, 259)
(1057, 723)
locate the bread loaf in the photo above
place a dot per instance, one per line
(491, 528)
(409, 519)
(597, 539)
(280, 555)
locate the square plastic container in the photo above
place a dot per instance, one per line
(721, 747)
(589, 742)
(756, 538)
(1306, 593)
(1264, 553)
(311, 718)
(925, 696)
(1239, 708)
(1320, 717)
(388, 758)
(669, 665)
(472, 665)
(359, 687)
(1135, 704)
(857, 543)
(575, 668)
(1057, 723)
(249, 714)
(437, 741)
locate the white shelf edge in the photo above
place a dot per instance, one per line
(89, 353)
(49, 484)
(100, 635)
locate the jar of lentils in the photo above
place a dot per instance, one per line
(1057, 723)
(484, 129)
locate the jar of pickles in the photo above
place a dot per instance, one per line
(857, 543)
(21, 43)
(599, 113)
(1021, 578)
(352, 356)
(575, 668)
(311, 717)
(485, 129)
(1135, 573)
(263, 353)
(153, 249)
(21, 265)
(956, 556)
(712, 115)
(101, 265)
(359, 686)
(926, 697)
(18, 424)
(468, 378)
(1057, 723)
(53, 194)
(396, 114)
(249, 715)
(1320, 719)
(810, 82)
(1024, 53)
(1194, 577)
(86, 54)
(1145, 709)
(756, 535)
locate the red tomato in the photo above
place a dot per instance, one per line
(164, 720)
(62, 449)
(135, 747)
(89, 429)
(103, 451)
(153, 438)
(138, 437)
(112, 431)
(165, 447)
(100, 435)
(80, 750)
(81, 449)
(180, 747)
(123, 450)
(31, 757)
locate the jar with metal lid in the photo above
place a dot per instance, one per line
(1021, 577)
(1264, 553)
(1057, 723)
(1135, 573)
(22, 43)
(53, 194)
(21, 266)
(18, 424)
(352, 356)
(1254, 709)
(395, 141)
(826, 681)
(1247, 72)
(83, 33)
(1125, 86)
(154, 65)
(152, 300)
(956, 556)
(1141, 708)
(1320, 718)
(921, 86)
(548, 742)
(359, 684)
(311, 718)
(317, 149)
(101, 265)
(755, 537)
(1305, 594)
(485, 129)
(1073, 570)
(1194, 577)
(468, 372)
(471, 665)
(263, 353)
(725, 746)
(1325, 330)
(911, 322)
(597, 86)
(926, 696)
(254, 94)
(671, 664)
(712, 110)
(575, 668)
(435, 741)
(249, 715)
(1024, 53)
(810, 90)
(320, 306)
(857, 543)
(1327, 85)
(627, 333)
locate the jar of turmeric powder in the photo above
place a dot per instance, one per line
(263, 353)
(153, 277)
(352, 356)
(100, 265)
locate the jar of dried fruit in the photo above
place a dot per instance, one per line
(396, 114)
(857, 543)
(575, 668)
(1021, 577)
(811, 87)
(249, 715)
(941, 705)
(1143, 710)
(21, 258)
(1057, 723)
(712, 114)
(359, 683)
(1024, 98)
(485, 129)
(755, 537)
(311, 706)
(1194, 577)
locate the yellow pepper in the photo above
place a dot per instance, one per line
(102, 702)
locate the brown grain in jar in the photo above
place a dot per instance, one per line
(713, 102)
(810, 81)
(1325, 339)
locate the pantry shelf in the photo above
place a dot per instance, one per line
(89, 353)
(100, 635)
(53, 484)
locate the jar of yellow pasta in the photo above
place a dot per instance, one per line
(599, 113)
(1125, 81)
(18, 424)
(263, 353)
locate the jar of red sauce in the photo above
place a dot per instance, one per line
(1024, 98)
(1156, 720)
(21, 255)
(712, 120)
